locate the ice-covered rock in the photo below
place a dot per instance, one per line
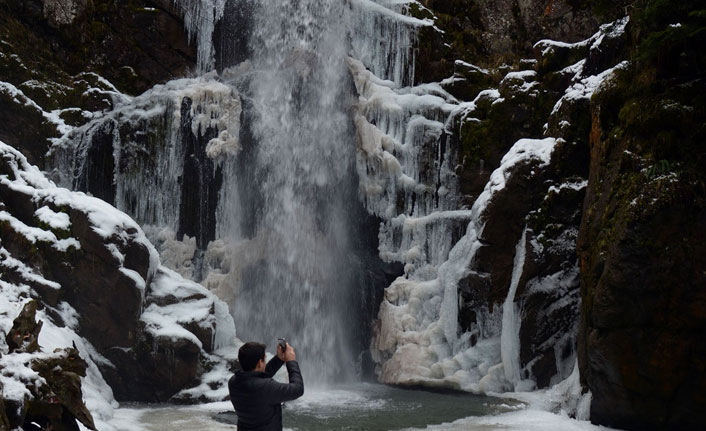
(180, 132)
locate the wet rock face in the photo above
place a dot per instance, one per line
(492, 32)
(643, 259)
(641, 248)
(135, 44)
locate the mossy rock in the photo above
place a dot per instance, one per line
(459, 38)
(555, 57)
(24, 126)
(640, 244)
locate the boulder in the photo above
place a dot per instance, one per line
(53, 398)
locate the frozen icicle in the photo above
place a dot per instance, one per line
(200, 17)
(510, 337)
(147, 134)
(385, 37)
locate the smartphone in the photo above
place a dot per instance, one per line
(282, 342)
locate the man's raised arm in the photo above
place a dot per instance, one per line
(281, 392)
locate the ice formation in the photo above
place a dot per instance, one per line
(418, 339)
(510, 335)
(200, 17)
(144, 134)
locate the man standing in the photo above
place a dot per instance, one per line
(256, 397)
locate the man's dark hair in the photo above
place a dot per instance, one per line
(249, 354)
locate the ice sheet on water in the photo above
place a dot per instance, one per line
(523, 420)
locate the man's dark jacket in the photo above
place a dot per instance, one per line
(258, 399)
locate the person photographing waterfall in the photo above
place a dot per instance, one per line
(257, 398)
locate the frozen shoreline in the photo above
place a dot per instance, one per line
(356, 403)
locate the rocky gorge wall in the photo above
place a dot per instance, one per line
(85, 270)
(538, 178)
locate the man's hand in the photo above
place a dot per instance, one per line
(286, 355)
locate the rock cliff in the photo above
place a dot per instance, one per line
(641, 240)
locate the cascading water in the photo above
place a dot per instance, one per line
(302, 163)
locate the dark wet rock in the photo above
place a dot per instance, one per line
(24, 335)
(641, 248)
(135, 44)
(153, 369)
(473, 292)
(230, 36)
(4, 421)
(61, 403)
(22, 125)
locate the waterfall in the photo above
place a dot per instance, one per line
(299, 286)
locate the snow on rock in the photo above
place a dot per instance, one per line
(20, 382)
(610, 30)
(584, 87)
(92, 243)
(52, 117)
(57, 204)
(176, 304)
(54, 219)
(179, 310)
